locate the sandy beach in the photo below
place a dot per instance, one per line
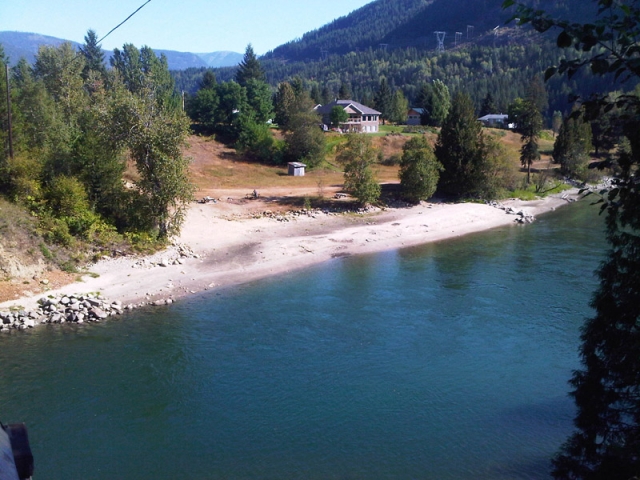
(230, 244)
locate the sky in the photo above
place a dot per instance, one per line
(197, 26)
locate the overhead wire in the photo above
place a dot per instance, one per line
(124, 21)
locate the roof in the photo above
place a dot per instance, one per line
(418, 110)
(494, 116)
(364, 110)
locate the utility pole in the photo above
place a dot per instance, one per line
(9, 113)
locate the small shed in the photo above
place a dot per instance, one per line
(296, 169)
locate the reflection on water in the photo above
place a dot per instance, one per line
(443, 361)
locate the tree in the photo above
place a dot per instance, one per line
(606, 390)
(572, 146)
(530, 126)
(93, 56)
(357, 155)
(255, 139)
(284, 104)
(338, 116)
(438, 104)
(383, 100)
(459, 148)
(488, 106)
(250, 68)
(419, 170)
(305, 141)
(259, 99)
(399, 108)
(344, 93)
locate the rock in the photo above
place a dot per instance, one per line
(98, 313)
(44, 281)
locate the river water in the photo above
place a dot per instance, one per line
(447, 361)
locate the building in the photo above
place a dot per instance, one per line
(296, 169)
(362, 119)
(414, 116)
(494, 120)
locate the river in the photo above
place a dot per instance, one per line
(447, 361)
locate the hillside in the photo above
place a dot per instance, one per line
(401, 23)
(19, 45)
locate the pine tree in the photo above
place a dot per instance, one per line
(488, 106)
(93, 56)
(250, 68)
(459, 147)
(383, 100)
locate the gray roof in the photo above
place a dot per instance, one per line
(326, 109)
(494, 116)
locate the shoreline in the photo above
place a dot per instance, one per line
(223, 246)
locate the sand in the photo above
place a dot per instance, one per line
(233, 247)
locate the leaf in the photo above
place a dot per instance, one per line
(564, 40)
(507, 3)
(550, 72)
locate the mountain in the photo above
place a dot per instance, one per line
(413, 23)
(19, 44)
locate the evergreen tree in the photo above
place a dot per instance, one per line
(93, 56)
(459, 148)
(571, 148)
(437, 104)
(345, 92)
(383, 100)
(488, 106)
(357, 156)
(325, 95)
(419, 170)
(305, 141)
(284, 105)
(530, 126)
(250, 68)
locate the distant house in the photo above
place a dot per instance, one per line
(495, 120)
(414, 116)
(362, 119)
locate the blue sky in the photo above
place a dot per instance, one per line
(198, 26)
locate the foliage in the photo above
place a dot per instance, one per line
(459, 147)
(93, 56)
(436, 104)
(250, 68)
(255, 139)
(606, 389)
(530, 126)
(399, 108)
(357, 155)
(488, 106)
(419, 170)
(571, 148)
(305, 140)
(383, 99)
(338, 116)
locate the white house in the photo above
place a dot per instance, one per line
(362, 119)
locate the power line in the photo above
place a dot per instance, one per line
(124, 21)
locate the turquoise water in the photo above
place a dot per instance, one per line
(447, 361)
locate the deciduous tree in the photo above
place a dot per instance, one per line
(357, 156)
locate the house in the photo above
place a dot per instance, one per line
(362, 119)
(414, 116)
(494, 120)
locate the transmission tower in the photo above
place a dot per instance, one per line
(458, 37)
(383, 46)
(470, 30)
(324, 53)
(440, 37)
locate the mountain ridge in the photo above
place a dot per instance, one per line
(25, 44)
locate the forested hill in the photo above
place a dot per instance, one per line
(402, 23)
(360, 29)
